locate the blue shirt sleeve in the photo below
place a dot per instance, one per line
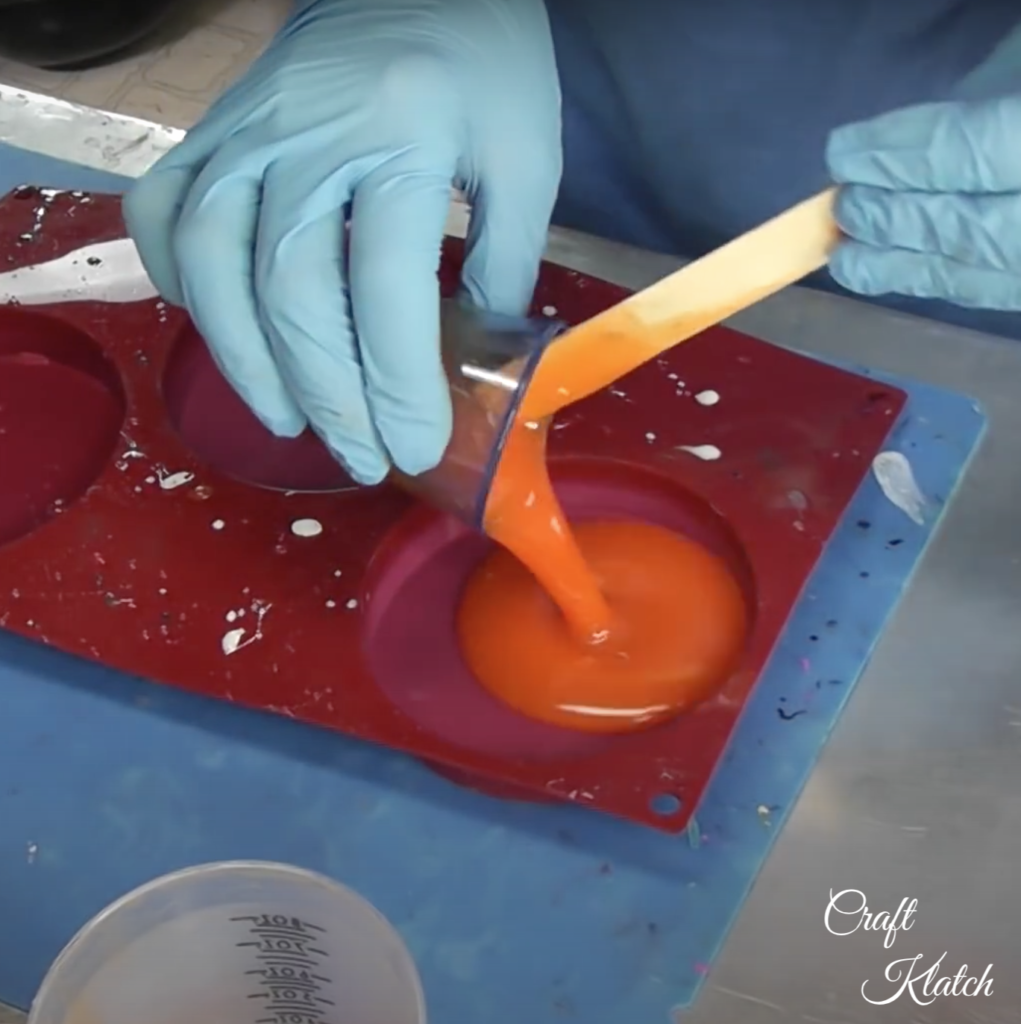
(687, 122)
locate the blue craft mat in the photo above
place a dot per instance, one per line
(513, 912)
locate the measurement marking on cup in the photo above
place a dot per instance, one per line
(291, 981)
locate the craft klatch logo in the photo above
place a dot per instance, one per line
(848, 912)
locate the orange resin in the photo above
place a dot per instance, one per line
(603, 627)
(677, 623)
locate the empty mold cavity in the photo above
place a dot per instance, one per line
(61, 411)
(220, 429)
(415, 583)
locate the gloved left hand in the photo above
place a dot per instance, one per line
(370, 109)
(931, 202)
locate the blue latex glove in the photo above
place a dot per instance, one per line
(932, 203)
(370, 108)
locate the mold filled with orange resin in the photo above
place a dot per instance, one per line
(677, 619)
(603, 627)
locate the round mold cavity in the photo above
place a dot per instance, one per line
(214, 422)
(61, 410)
(415, 582)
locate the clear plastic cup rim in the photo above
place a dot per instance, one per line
(228, 867)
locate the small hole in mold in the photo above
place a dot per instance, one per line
(217, 426)
(416, 579)
(61, 411)
(665, 805)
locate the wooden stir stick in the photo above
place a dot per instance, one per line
(594, 354)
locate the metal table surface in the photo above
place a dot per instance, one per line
(918, 795)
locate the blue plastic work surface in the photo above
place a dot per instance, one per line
(513, 912)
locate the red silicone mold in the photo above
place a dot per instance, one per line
(146, 523)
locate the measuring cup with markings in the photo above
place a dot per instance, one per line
(240, 942)
(488, 361)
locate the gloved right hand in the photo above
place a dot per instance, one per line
(372, 109)
(931, 203)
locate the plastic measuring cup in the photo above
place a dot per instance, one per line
(488, 360)
(239, 942)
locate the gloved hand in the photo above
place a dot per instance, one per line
(375, 107)
(932, 203)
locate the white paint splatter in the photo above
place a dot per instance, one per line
(352, 604)
(331, 603)
(306, 527)
(235, 639)
(707, 397)
(171, 481)
(218, 524)
(337, 573)
(232, 640)
(706, 452)
(232, 616)
(897, 481)
(549, 310)
(650, 437)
